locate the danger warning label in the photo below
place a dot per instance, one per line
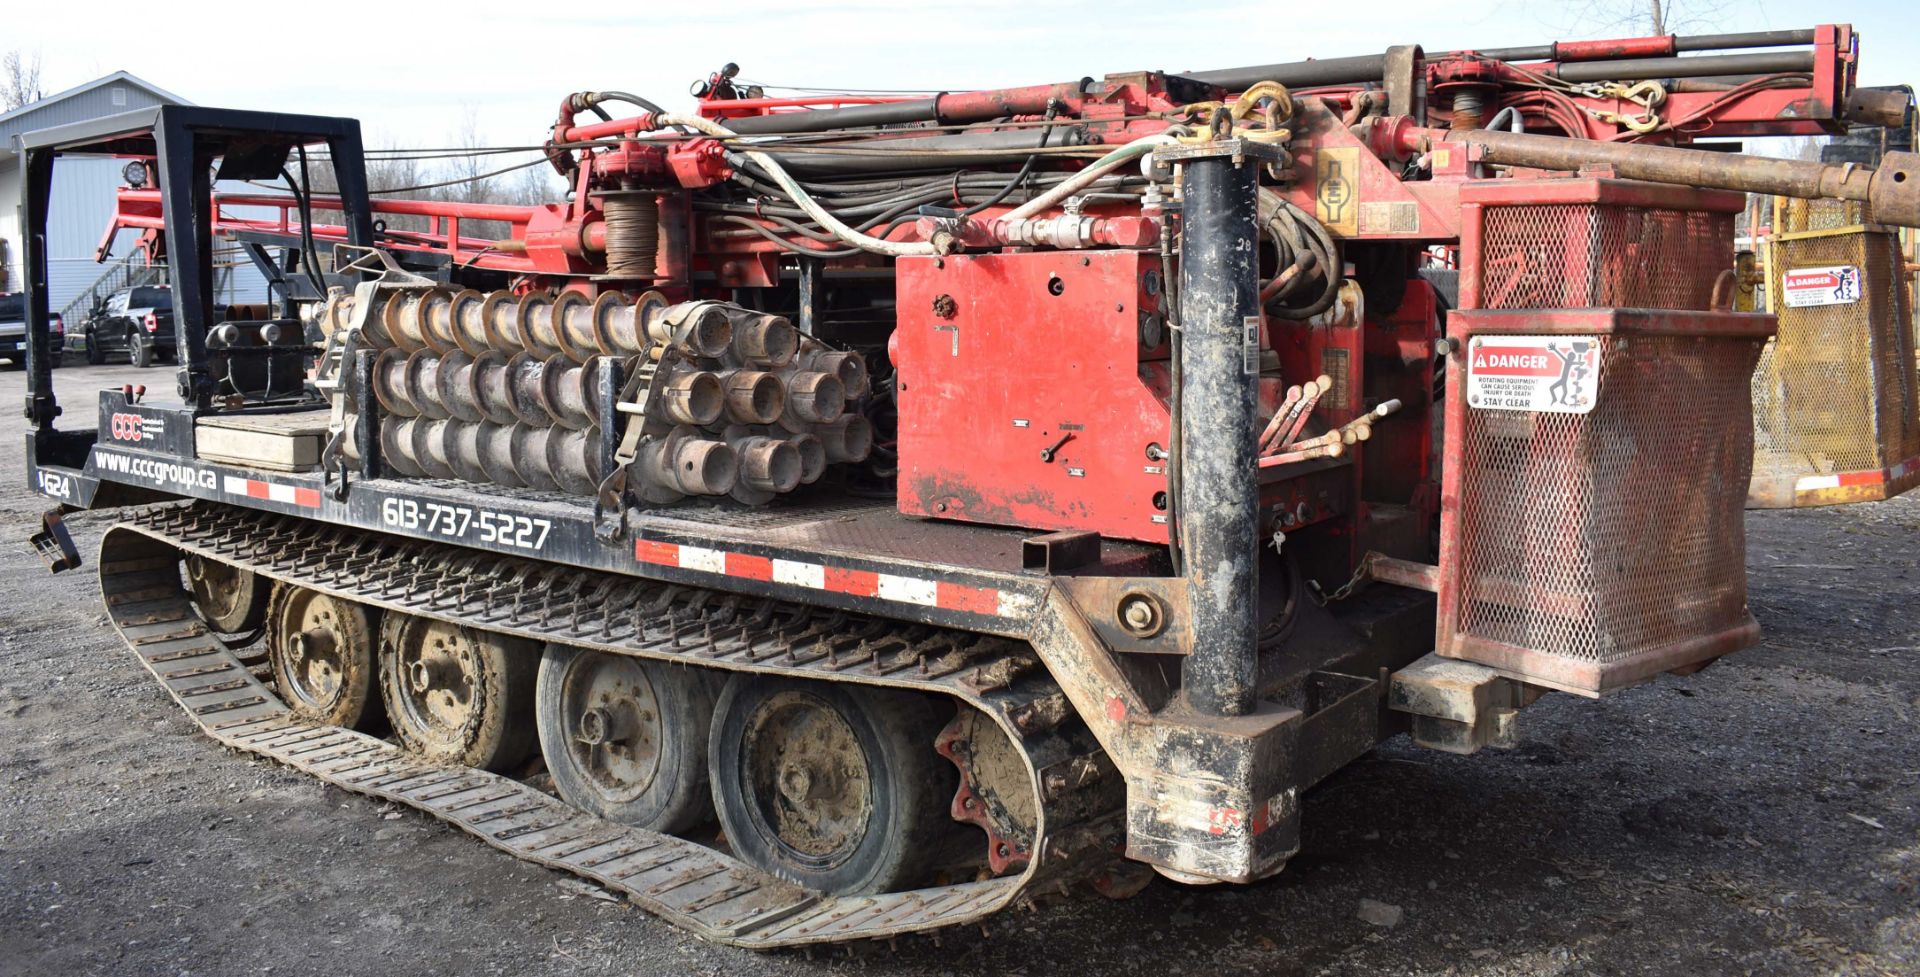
(1554, 374)
(1832, 285)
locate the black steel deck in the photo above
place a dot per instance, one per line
(819, 545)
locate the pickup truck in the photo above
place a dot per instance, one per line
(138, 321)
(13, 329)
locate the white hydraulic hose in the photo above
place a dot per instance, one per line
(898, 249)
(865, 242)
(1099, 168)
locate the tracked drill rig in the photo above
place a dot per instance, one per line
(956, 498)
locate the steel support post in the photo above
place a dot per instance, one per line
(1218, 498)
(36, 188)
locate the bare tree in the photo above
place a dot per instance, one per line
(473, 173)
(397, 172)
(538, 184)
(484, 175)
(1649, 17)
(20, 79)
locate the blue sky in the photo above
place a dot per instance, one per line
(413, 73)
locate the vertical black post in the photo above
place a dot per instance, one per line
(608, 383)
(350, 177)
(186, 203)
(281, 275)
(36, 188)
(366, 427)
(1219, 500)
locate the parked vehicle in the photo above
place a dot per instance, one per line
(13, 329)
(137, 321)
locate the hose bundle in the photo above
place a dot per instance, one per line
(1305, 253)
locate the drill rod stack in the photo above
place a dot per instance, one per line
(495, 387)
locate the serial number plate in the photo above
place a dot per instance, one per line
(466, 523)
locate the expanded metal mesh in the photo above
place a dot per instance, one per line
(1591, 550)
(1570, 256)
(1602, 536)
(1835, 392)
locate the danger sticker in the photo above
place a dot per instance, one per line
(1832, 285)
(1553, 374)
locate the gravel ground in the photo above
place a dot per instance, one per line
(1758, 817)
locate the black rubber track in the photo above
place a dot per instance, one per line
(706, 892)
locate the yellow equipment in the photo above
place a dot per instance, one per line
(1835, 407)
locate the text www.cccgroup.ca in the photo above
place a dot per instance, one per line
(156, 471)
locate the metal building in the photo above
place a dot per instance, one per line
(82, 199)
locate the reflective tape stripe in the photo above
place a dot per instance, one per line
(1878, 476)
(799, 574)
(907, 590)
(989, 601)
(254, 488)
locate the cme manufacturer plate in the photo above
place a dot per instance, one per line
(1548, 374)
(1830, 285)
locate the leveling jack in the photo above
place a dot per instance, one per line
(55, 543)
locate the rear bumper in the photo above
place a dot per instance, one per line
(17, 345)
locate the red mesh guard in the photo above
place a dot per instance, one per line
(1590, 551)
(1570, 256)
(1589, 542)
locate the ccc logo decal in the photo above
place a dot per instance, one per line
(126, 427)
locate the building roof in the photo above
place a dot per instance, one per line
(75, 104)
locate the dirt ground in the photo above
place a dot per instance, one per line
(1756, 818)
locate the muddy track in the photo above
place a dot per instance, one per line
(687, 884)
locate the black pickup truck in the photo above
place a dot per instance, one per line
(13, 329)
(138, 321)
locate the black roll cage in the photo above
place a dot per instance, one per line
(185, 142)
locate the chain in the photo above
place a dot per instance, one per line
(1360, 573)
(1649, 95)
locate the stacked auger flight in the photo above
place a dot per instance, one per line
(715, 399)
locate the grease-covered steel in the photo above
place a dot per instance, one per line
(1216, 497)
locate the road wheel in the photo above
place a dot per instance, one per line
(626, 738)
(457, 695)
(321, 650)
(95, 355)
(836, 787)
(139, 351)
(232, 600)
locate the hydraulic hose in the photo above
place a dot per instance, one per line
(1097, 169)
(824, 217)
(631, 99)
(1296, 236)
(1026, 169)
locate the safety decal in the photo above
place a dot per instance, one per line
(1550, 374)
(1832, 285)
